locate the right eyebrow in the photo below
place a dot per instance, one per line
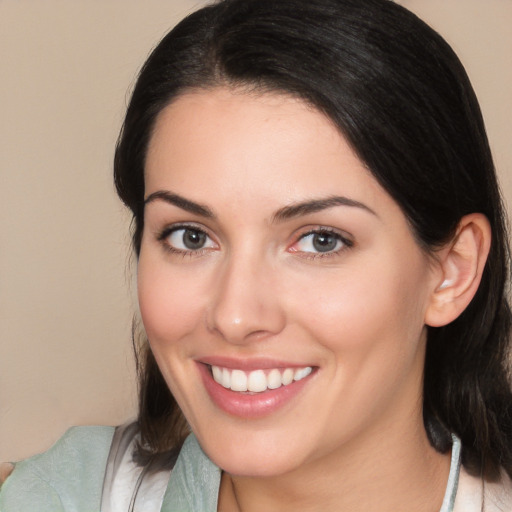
(180, 202)
(317, 205)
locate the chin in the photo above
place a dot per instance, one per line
(252, 467)
(253, 454)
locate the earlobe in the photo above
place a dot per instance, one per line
(461, 264)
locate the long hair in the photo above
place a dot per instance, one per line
(402, 99)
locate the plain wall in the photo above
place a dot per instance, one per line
(65, 294)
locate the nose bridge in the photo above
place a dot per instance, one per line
(246, 302)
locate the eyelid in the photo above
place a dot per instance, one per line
(169, 228)
(163, 235)
(345, 238)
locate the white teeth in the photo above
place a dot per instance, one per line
(217, 374)
(274, 379)
(257, 380)
(238, 381)
(226, 378)
(301, 373)
(287, 376)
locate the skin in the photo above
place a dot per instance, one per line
(5, 470)
(353, 438)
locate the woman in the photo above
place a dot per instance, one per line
(322, 262)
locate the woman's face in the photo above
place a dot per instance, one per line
(269, 254)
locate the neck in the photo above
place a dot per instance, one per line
(396, 470)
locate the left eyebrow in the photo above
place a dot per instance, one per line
(180, 202)
(316, 205)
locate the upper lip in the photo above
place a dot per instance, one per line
(249, 364)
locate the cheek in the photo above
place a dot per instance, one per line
(374, 305)
(170, 303)
(370, 325)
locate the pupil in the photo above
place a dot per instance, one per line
(193, 239)
(324, 242)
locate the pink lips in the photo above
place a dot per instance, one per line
(244, 404)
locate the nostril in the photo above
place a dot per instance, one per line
(244, 307)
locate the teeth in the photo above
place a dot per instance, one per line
(287, 376)
(226, 378)
(301, 373)
(274, 379)
(258, 380)
(238, 380)
(217, 374)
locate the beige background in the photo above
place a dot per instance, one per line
(65, 306)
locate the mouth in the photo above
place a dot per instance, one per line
(246, 391)
(257, 381)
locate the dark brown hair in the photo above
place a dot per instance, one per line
(401, 97)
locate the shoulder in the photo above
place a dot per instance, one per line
(498, 495)
(474, 495)
(68, 476)
(195, 481)
(182, 479)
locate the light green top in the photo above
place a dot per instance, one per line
(66, 478)
(69, 477)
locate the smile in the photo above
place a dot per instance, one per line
(253, 389)
(258, 381)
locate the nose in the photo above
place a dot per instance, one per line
(246, 302)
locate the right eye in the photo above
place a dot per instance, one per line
(185, 239)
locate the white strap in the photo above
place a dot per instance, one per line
(453, 477)
(129, 486)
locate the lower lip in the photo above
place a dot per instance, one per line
(247, 405)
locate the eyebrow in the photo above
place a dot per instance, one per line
(180, 202)
(287, 212)
(315, 205)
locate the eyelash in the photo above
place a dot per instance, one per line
(346, 244)
(167, 232)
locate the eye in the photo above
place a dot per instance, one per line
(186, 239)
(322, 241)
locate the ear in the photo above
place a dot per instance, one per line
(461, 264)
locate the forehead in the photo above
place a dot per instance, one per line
(220, 117)
(250, 145)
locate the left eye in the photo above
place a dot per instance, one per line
(189, 239)
(320, 242)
